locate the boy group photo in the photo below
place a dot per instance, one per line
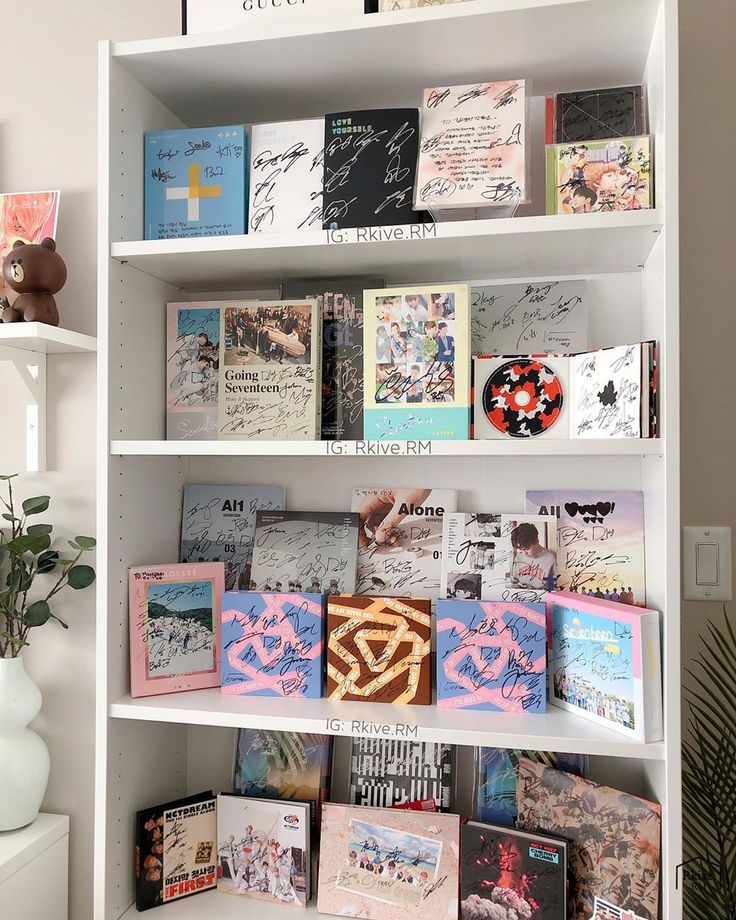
(584, 695)
(266, 335)
(415, 349)
(259, 866)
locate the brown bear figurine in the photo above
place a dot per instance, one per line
(35, 273)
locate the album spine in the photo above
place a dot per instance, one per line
(651, 673)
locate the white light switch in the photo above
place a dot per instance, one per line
(707, 564)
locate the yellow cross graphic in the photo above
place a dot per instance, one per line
(193, 192)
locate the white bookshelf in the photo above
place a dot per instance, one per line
(156, 749)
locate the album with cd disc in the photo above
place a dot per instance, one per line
(521, 396)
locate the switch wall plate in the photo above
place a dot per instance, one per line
(706, 559)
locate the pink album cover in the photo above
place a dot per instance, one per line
(175, 627)
(388, 864)
(26, 216)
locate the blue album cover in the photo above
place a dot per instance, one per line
(196, 182)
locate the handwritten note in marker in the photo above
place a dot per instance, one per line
(472, 149)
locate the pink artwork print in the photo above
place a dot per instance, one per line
(29, 217)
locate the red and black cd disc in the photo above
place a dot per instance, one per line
(523, 398)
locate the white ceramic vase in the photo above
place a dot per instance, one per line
(24, 757)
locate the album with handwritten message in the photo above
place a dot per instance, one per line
(218, 524)
(292, 766)
(600, 542)
(192, 370)
(545, 317)
(263, 850)
(472, 148)
(496, 780)
(604, 661)
(195, 182)
(600, 176)
(370, 168)
(388, 864)
(311, 551)
(523, 396)
(286, 176)
(400, 547)
(498, 557)
(174, 617)
(417, 363)
(491, 656)
(614, 839)
(507, 873)
(596, 115)
(379, 649)
(270, 387)
(175, 850)
(386, 773)
(341, 301)
(272, 644)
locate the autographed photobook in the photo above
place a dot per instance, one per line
(291, 766)
(491, 656)
(389, 773)
(388, 864)
(263, 850)
(286, 175)
(195, 182)
(342, 351)
(600, 539)
(596, 115)
(218, 525)
(272, 644)
(609, 175)
(497, 775)
(498, 557)
(175, 850)
(417, 363)
(545, 316)
(507, 873)
(523, 396)
(614, 839)
(379, 650)
(192, 370)
(604, 661)
(175, 627)
(472, 149)
(305, 551)
(400, 543)
(270, 371)
(370, 168)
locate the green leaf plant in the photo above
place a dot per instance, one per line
(31, 573)
(709, 778)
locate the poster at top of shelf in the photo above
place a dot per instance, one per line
(540, 317)
(286, 176)
(231, 15)
(417, 363)
(472, 149)
(270, 388)
(600, 542)
(370, 168)
(600, 176)
(195, 182)
(26, 216)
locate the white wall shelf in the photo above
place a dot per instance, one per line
(554, 730)
(511, 247)
(26, 346)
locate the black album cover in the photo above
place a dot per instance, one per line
(370, 168)
(599, 114)
(506, 873)
(342, 351)
(386, 773)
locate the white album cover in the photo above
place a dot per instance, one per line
(224, 15)
(286, 176)
(606, 393)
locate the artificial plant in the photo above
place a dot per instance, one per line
(26, 556)
(709, 778)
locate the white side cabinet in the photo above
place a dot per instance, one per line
(34, 870)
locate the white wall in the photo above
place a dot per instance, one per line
(48, 139)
